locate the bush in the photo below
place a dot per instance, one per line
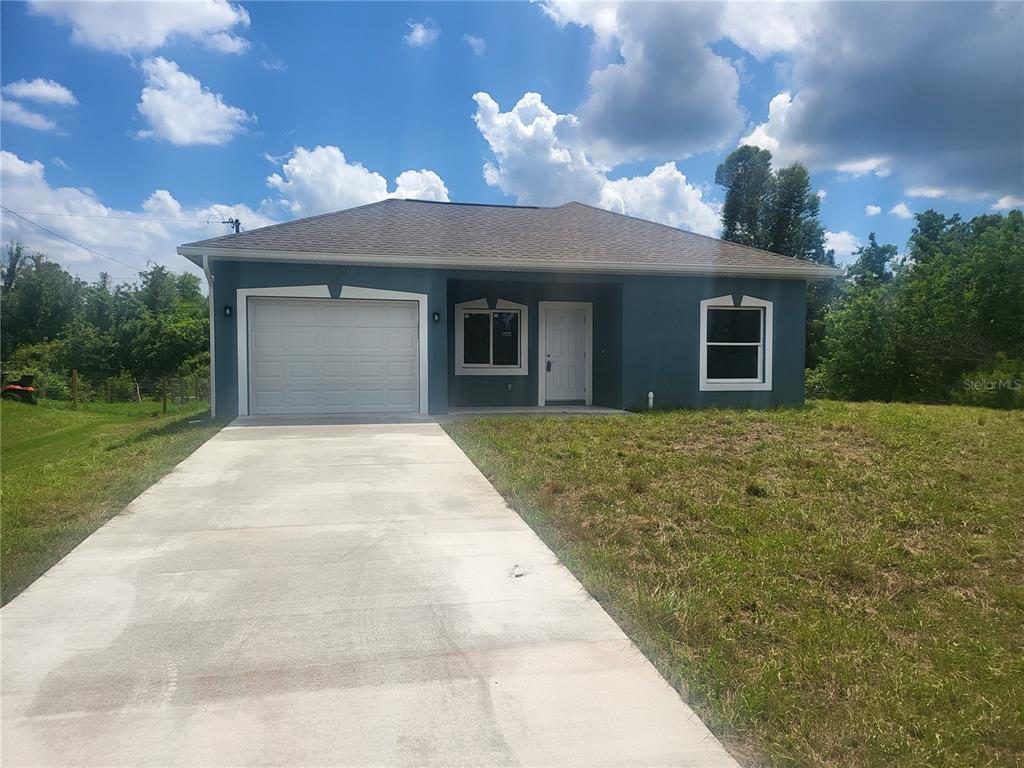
(999, 385)
(42, 360)
(816, 383)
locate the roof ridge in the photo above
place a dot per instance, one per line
(695, 234)
(304, 218)
(459, 202)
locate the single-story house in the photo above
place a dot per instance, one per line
(407, 306)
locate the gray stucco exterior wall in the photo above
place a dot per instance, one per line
(646, 330)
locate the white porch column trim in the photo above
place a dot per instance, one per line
(213, 336)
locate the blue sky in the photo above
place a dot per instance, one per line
(269, 111)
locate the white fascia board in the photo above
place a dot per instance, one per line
(810, 272)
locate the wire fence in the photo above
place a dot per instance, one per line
(124, 388)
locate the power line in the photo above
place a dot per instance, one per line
(68, 240)
(123, 218)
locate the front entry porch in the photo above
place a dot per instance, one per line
(526, 345)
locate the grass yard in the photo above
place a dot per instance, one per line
(65, 473)
(841, 585)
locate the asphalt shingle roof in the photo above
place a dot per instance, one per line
(566, 237)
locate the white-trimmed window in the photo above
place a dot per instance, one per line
(735, 344)
(491, 342)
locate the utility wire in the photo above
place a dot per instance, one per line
(67, 240)
(124, 218)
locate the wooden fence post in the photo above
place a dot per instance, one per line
(110, 397)
(74, 389)
(163, 383)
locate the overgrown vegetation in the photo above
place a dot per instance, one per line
(947, 323)
(841, 585)
(51, 322)
(942, 323)
(67, 472)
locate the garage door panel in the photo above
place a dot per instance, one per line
(268, 340)
(404, 397)
(402, 369)
(268, 369)
(333, 356)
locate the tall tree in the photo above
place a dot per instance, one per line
(159, 291)
(872, 262)
(792, 227)
(14, 259)
(778, 211)
(746, 175)
(40, 303)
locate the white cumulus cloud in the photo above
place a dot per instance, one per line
(843, 243)
(959, 128)
(141, 27)
(670, 95)
(872, 210)
(422, 33)
(477, 44)
(227, 43)
(540, 159)
(901, 211)
(42, 90)
(101, 227)
(322, 179)
(928, 192)
(181, 111)
(421, 185)
(1007, 203)
(765, 29)
(13, 112)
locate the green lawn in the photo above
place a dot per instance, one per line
(841, 585)
(65, 472)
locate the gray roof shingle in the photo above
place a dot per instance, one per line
(568, 237)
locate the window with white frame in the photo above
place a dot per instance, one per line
(735, 344)
(490, 342)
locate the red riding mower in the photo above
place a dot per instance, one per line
(20, 391)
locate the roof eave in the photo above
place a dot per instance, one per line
(810, 272)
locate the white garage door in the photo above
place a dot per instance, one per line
(333, 356)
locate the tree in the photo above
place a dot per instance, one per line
(159, 291)
(746, 175)
(13, 261)
(792, 227)
(872, 263)
(778, 211)
(164, 343)
(954, 307)
(52, 322)
(41, 302)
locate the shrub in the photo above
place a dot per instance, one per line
(999, 385)
(44, 361)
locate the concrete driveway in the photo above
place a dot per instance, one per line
(328, 595)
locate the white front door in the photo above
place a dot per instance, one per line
(566, 355)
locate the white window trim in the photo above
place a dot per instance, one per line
(322, 292)
(462, 369)
(542, 308)
(764, 351)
